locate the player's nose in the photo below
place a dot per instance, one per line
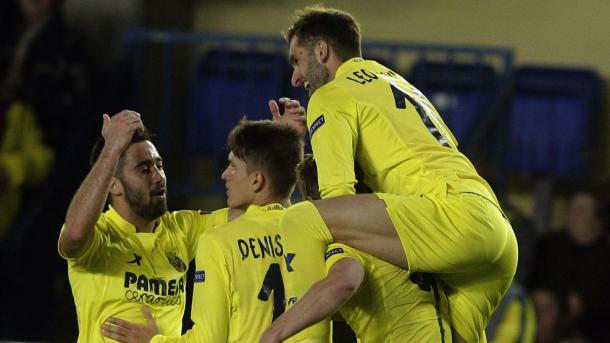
(297, 78)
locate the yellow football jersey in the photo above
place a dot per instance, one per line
(370, 115)
(388, 306)
(238, 287)
(121, 270)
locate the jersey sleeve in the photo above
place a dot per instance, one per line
(332, 123)
(194, 223)
(337, 251)
(95, 246)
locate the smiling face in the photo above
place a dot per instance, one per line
(307, 70)
(239, 182)
(143, 180)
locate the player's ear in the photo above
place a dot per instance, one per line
(116, 187)
(321, 50)
(258, 181)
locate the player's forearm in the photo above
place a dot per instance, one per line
(321, 301)
(88, 203)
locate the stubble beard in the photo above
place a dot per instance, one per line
(318, 75)
(150, 211)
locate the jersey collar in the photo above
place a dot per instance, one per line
(266, 208)
(124, 225)
(347, 66)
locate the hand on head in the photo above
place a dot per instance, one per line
(119, 130)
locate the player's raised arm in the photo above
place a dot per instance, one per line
(88, 202)
(323, 299)
(294, 114)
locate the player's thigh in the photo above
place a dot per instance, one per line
(361, 221)
(474, 295)
(447, 234)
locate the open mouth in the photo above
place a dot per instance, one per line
(306, 86)
(159, 193)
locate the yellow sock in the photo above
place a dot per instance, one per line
(305, 237)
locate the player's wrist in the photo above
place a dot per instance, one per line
(110, 154)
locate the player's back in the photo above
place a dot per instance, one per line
(399, 139)
(247, 253)
(388, 306)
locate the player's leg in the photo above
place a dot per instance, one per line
(437, 234)
(475, 293)
(463, 238)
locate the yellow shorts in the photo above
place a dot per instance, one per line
(465, 240)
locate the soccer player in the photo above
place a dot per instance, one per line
(137, 252)
(238, 287)
(376, 298)
(431, 211)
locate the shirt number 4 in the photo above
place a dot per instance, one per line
(423, 108)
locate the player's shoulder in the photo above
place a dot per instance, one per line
(216, 216)
(226, 227)
(334, 92)
(107, 222)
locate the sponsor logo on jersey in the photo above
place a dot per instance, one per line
(316, 125)
(288, 258)
(199, 276)
(177, 263)
(153, 291)
(333, 252)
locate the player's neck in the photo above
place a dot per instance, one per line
(141, 224)
(264, 199)
(333, 64)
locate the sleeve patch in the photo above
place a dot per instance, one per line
(316, 125)
(199, 276)
(333, 252)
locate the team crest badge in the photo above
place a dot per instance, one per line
(177, 263)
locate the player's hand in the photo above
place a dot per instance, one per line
(269, 337)
(127, 332)
(118, 130)
(294, 114)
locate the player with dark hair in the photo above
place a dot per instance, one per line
(136, 253)
(430, 212)
(238, 286)
(379, 301)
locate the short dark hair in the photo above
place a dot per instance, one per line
(138, 136)
(338, 28)
(307, 176)
(271, 147)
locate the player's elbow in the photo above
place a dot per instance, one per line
(72, 240)
(344, 288)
